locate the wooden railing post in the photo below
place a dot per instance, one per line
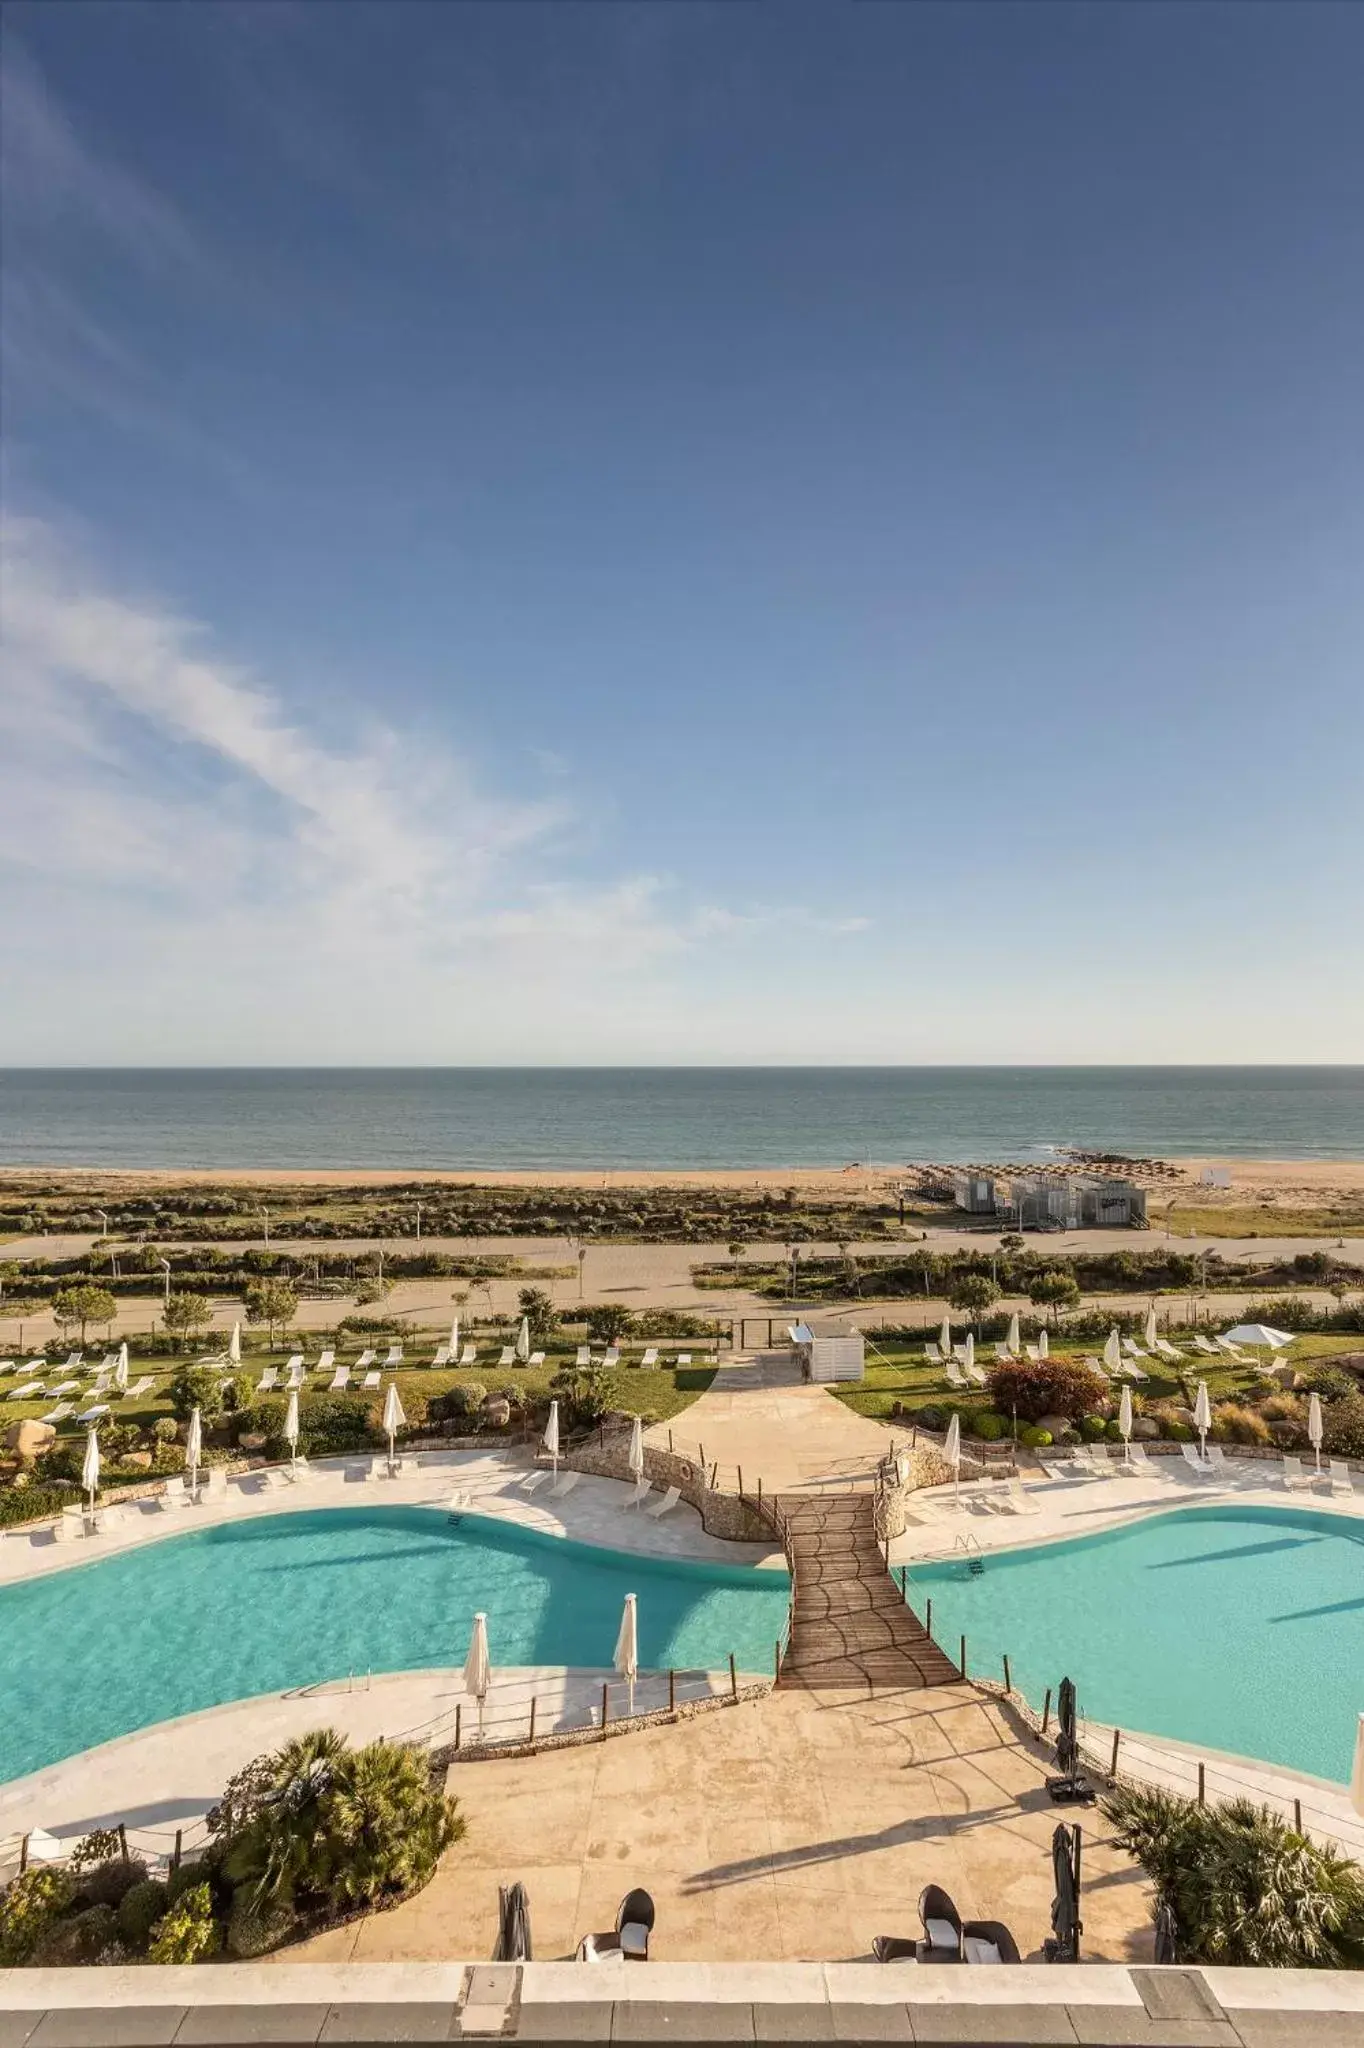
(1202, 1786)
(532, 1717)
(672, 1690)
(962, 1665)
(1046, 1710)
(459, 1716)
(733, 1678)
(605, 1703)
(1113, 1760)
(1008, 1682)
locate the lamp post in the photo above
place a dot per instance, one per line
(165, 1268)
(104, 1219)
(419, 1223)
(265, 1213)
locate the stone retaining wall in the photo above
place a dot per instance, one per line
(725, 1515)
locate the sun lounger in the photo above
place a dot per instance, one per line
(1292, 1472)
(176, 1493)
(1095, 1458)
(611, 1355)
(956, 1377)
(650, 1356)
(1217, 1458)
(6, 1365)
(372, 1378)
(1134, 1462)
(268, 1380)
(295, 1379)
(94, 1413)
(1189, 1452)
(299, 1472)
(442, 1356)
(364, 1361)
(142, 1386)
(682, 1358)
(1133, 1349)
(530, 1480)
(395, 1356)
(339, 1380)
(294, 1363)
(1003, 1354)
(565, 1483)
(1032, 1352)
(1201, 1344)
(1130, 1370)
(639, 1492)
(34, 1365)
(1230, 1350)
(536, 1358)
(664, 1505)
(59, 1413)
(1168, 1350)
(933, 1351)
(469, 1355)
(977, 1376)
(66, 1387)
(584, 1356)
(73, 1361)
(1341, 1481)
(1016, 1498)
(70, 1522)
(508, 1356)
(959, 1353)
(106, 1364)
(1062, 1468)
(28, 1390)
(213, 1484)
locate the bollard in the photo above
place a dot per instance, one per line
(1297, 1816)
(1046, 1710)
(1113, 1760)
(1008, 1682)
(733, 1678)
(605, 1704)
(459, 1713)
(1201, 1787)
(532, 1717)
(962, 1665)
(672, 1689)
(179, 1848)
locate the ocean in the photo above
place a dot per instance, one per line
(456, 1117)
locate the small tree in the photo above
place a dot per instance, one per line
(609, 1322)
(1055, 1291)
(736, 1249)
(198, 1386)
(11, 1273)
(84, 1304)
(973, 1293)
(273, 1302)
(185, 1315)
(538, 1310)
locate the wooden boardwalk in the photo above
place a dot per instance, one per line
(851, 1627)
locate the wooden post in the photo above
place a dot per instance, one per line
(741, 1479)
(702, 1449)
(733, 1678)
(928, 1618)
(962, 1666)
(605, 1703)
(776, 1658)
(1046, 1711)
(760, 1489)
(714, 1474)
(179, 1848)
(459, 1715)
(1113, 1760)
(670, 1442)
(904, 1581)
(532, 1717)
(1008, 1682)
(1202, 1788)
(123, 1841)
(672, 1690)
(1297, 1816)
(23, 1846)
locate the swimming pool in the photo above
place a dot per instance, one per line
(1238, 1628)
(96, 1650)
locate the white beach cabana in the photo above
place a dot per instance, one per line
(394, 1420)
(627, 1645)
(478, 1670)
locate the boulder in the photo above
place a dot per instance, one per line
(30, 1439)
(1055, 1424)
(1143, 1426)
(137, 1461)
(252, 1440)
(497, 1413)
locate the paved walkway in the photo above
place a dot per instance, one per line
(757, 1416)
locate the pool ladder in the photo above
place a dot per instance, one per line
(969, 1544)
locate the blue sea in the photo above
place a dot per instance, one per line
(449, 1118)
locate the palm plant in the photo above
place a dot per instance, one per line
(388, 1825)
(285, 1850)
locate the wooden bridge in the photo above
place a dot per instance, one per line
(850, 1626)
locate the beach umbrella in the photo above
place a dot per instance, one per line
(454, 1343)
(45, 1848)
(121, 1370)
(627, 1646)
(970, 1350)
(513, 1925)
(552, 1434)
(1125, 1419)
(1150, 1332)
(90, 1468)
(1357, 1775)
(952, 1453)
(1113, 1350)
(1042, 1344)
(945, 1337)
(478, 1672)
(1259, 1335)
(193, 1448)
(637, 1448)
(1202, 1416)
(1014, 1339)
(1314, 1426)
(394, 1419)
(234, 1344)
(1065, 1910)
(523, 1340)
(291, 1426)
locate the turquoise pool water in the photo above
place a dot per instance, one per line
(97, 1650)
(1238, 1628)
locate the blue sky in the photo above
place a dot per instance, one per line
(659, 533)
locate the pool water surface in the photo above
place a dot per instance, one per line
(97, 1650)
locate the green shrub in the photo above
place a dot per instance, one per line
(196, 1386)
(107, 1883)
(79, 1938)
(1233, 1423)
(33, 1503)
(1177, 1431)
(183, 1880)
(255, 1930)
(164, 1429)
(1328, 1381)
(186, 1932)
(1112, 1431)
(1343, 1427)
(931, 1417)
(140, 1910)
(29, 1905)
(989, 1427)
(1035, 1437)
(1092, 1428)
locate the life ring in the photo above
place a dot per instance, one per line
(684, 1470)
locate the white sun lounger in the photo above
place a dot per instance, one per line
(1293, 1474)
(664, 1505)
(1133, 1349)
(1068, 1469)
(68, 1524)
(536, 1358)
(294, 1364)
(295, 1379)
(1201, 1344)
(1217, 1458)
(59, 1413)
(326, 1360)
(1201, 1472)
(650, 1356)
(469, 1355)
(395, 1356)
(565, 1483)
(30, 1390)
(339, 1379)
(638, 1493)
(682, 1358)
(1231, 1350)
(33, 1365)
(1033, 1353)
(1341, 1482)
(107, 1363)
(530, 1480)
(73, 1361)
(268, 1380)
(508, 1355)
(933, 1351)
(176, 1493)
(93, 1414)
(1003, 1354)
(372, 1378)
(977, 1375)
(1167, 1349)
(956, 1377)
(1134, 1462)
(66, 1387)
(365, 1360)
(213, 1485)
(442, 1356)
(1017, 1498)
(141, 1386)
(612, 1356)
(1096, 1458)
(584, 1356)
(6, 1365)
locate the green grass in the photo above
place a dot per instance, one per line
(1261, 1220)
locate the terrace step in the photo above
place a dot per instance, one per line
(850, 1626)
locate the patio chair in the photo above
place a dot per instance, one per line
(1201, 1344)
(73, 1361)
(1292, 1473)
(664, 1505)
(64, 1528)
(1095, 1458)
(1133, 1462)
(630, 1937)
(638, 1494)
(6, 1365)
(1341, 1482)
(584, 1356)
(565, 1483)
(536, 1358)
(325, 1361)
(612, 1355)
(1017, 1499)
(1200, 1470)
(365, 1360)
(27, 1390)
(469, 1355)
(176, 1493)
(213, 1485)
(650, 1356)
(295, 1379)
(508, 1356)
(59, 1413)
(682, 1358)
(1133, 1349)
(977, 1376)
(142, 1386)
(294, 1364)
(933, 1351)
(372, 1377)
(956, 1378)
(394, 1356)
(93, 1413)
(1217, 1458)
(442, 1356)
(65, 1387)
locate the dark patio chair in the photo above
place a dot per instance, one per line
(634, 1925)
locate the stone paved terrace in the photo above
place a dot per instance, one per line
(752, 2001)
(758, 1417)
